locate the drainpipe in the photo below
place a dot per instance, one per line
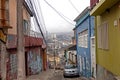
(90, 25)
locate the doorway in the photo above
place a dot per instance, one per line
(26, 65)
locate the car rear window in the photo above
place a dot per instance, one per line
(70, 66)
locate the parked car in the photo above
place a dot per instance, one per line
(70, 71)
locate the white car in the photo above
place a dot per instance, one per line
(70, 71)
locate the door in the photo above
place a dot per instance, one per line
(93, 57)
(26, 64)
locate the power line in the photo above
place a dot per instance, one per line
(60, 14)
(40, 16)
(73, 6)
(35, 16)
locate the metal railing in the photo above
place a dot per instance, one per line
(35, 34)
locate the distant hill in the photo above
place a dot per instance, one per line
(64, 36)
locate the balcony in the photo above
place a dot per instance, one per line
(98, 7)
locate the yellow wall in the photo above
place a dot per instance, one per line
(110, 59)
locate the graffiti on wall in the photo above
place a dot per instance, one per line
(34, 62)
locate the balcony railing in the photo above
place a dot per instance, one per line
(93, 3)
(35, 34)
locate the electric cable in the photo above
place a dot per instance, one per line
(60, 14)
(35, 16)
(40, 17)
(73, 6)
(40, 21)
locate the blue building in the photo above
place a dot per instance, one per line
(84, 31)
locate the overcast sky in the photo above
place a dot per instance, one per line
(53, 22)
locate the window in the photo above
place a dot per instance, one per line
(83, 39)
(102, 34)
(25, 26)
(10, 37)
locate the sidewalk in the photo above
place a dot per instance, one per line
(44, 75)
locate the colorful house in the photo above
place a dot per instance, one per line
(70, 54)
(107, 29)
(35, 48)
(84, 32)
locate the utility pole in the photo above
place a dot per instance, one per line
(54, 51)
(20, 42)
(54, 54)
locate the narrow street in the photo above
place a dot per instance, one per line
(58, 75)
(54, 39)
(51, 75)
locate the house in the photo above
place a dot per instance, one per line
(53, 46)
(35, 47)
(70, 54)
(107, 28)
(4, 26)
(84, 31)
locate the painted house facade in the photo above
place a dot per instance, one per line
(70, 53)
(84, 32)
(35, 48)
(107, 27)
